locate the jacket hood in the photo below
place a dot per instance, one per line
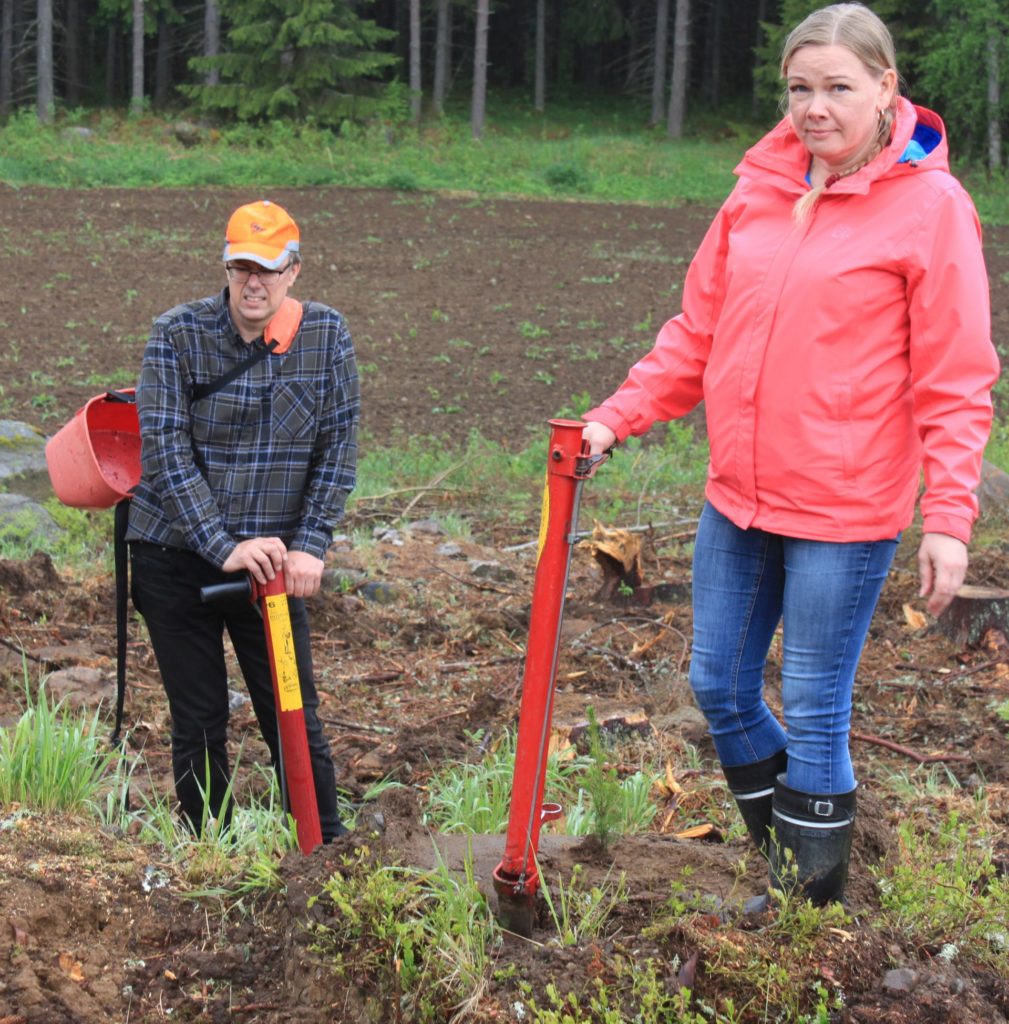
(781, 158)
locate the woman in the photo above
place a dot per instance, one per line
(836, 324)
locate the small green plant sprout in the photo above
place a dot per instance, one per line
(602, 784)
(945, 889)
(578, 910)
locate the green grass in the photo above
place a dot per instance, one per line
(592, 148)
(54, 758)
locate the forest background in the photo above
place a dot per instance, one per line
(339, 65)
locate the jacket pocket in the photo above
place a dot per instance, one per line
(292, 413)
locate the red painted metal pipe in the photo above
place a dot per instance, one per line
(296, 764)
(516, 878)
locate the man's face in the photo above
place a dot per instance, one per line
(256, 294)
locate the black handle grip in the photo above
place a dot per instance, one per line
(226, 591)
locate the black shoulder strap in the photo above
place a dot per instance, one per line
(260, 352)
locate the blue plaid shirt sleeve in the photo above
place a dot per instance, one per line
(332, 474)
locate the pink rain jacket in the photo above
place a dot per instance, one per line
(837, 357)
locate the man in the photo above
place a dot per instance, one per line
(248, 404)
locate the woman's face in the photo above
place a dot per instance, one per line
(834, 101)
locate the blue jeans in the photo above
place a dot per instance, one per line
(747, 581)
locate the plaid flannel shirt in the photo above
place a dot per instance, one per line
(272, 454)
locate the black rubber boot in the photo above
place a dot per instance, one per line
(752, 785)
(817, 829)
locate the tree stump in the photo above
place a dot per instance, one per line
(973, 612)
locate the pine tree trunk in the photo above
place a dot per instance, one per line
(442, 55)
(761, 18)
(72, 50)
(163, 64)
(994, 102)
(111, 65)
(478, 110)
(659, 61)
(681, 55)
(6, 57)
(540, 87)
(44, 61)
(211, 38)
(137, 80)
(415, 86)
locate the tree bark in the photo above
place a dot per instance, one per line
(6, 57)
(540, 74)
(137, 81)
(111, 65)
(973, 612)
(45, 98)
(713, 53)
(72, 51)
(681, 56)
(415, 85)
(163, 64)
(758, 41)
(442, 55)
(659, 62)
(211, 38)
(478, 110)
(994, 101)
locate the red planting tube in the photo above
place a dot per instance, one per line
(295, 763)
(516, 878)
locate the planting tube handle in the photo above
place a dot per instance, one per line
(224, 591)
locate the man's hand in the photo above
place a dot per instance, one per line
(302, 573)
(599, 437)
(263, 557)
(942, 564)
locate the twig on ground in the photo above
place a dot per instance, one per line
(433, 485)
(899, 748)
(372, 677)
(586, 534)
(342, 723)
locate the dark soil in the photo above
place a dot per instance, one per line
(531, 303)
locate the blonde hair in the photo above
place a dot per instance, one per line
(859, 30)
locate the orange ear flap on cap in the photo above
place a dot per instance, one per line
(262, 232)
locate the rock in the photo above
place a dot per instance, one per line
(387, 535)
(22, 449)
(77, 131)
(429, 526)
(187, 133)
(236, 699)
(900, 979)
(80, 687)
(687, 722)
(993, 491)
(27, 520)
(449, 550)
(491, 571)
(379, 593)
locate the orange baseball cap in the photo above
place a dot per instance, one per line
(262, 232)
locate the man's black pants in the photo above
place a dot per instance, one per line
(188, 641)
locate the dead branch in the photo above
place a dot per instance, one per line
(898, 748)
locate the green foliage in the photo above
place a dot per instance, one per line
(567, 176)
(945, 889)
(301, 59)
(602, 784)
(951, 70)
(421, 939)
(53, 758)
(476, 798)
(579, 911)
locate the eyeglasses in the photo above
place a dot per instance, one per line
(242, 274)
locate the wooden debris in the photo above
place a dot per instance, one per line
(973, 612)
(618, 553)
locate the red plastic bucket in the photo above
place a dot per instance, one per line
(94, 461)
